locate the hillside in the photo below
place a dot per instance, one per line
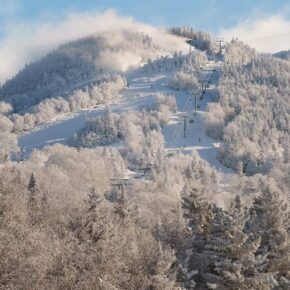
(81, 62)
(133, 161)
(253, 111)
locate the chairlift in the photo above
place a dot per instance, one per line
(170, 155)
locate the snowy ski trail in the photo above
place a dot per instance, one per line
(139, 94)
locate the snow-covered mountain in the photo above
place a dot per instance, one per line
(84, 60)
(143, 167)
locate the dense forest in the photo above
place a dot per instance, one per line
(197, 38)
(253, 111)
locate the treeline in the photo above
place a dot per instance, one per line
(285, 54)
(186, 69)
(178, 62)
(199, 39)
(106, 91)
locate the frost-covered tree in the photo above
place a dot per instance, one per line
(34, 199)
(199, 39)
(96, 222)
(5, 108)
(224, 256)
(95, 199)
(105, 91)
(197, 211)
(110, 132)
(238, 267)
(270, 221)
(251, 117)
(8, 140)
(98, 131)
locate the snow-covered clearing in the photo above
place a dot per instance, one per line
(62, 128)
(141, 93)
(196, 137)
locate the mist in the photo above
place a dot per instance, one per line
(26, 42)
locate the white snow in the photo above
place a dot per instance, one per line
(196, 137)
(138, 95)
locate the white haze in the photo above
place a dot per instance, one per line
(262, 33)
(26, 42)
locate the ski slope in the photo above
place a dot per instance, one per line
(63, 127)
(141, 93)
(195, 137)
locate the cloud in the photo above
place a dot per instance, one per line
(266, 34)
(26, 42)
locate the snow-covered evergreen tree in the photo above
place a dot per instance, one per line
(34, 199)
(110, 133)
(95, 199)
(224, 255)
(126, 212)
(96, 223)
(270, 220)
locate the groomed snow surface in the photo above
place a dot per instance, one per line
(141, 93)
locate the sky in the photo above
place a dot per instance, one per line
(30, 28)
(210, 15)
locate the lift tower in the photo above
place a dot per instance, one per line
(220, 41)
